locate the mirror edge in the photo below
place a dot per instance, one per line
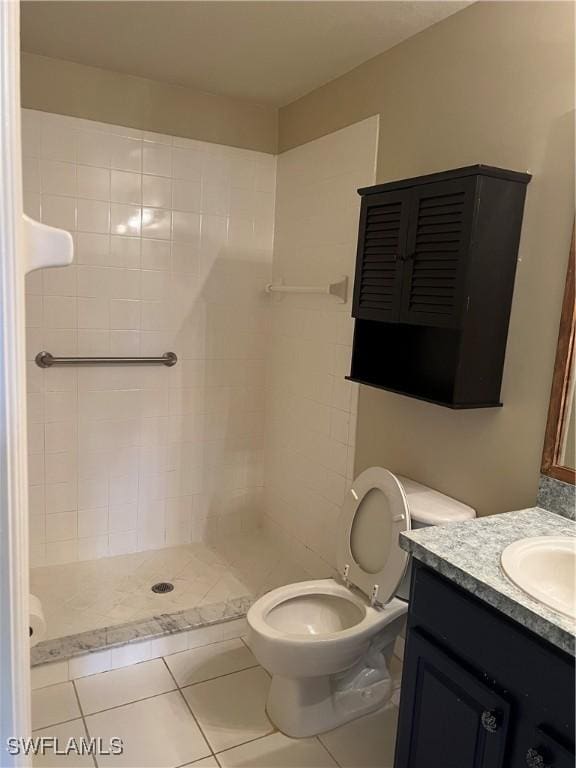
(560, 382)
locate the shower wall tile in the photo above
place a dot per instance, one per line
(311, 408)
(173, 245)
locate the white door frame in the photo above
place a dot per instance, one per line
(14, 643)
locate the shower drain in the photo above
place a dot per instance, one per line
(162, 587)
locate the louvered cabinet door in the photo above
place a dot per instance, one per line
(381, 251)
(437, 252)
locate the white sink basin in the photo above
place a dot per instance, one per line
(545, 568)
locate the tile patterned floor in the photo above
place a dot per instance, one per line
(203, 707)
(77, 597)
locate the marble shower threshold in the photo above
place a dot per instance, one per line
(63, 648)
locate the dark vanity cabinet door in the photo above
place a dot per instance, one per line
(478, 689)
(456, 720)
(437, 252)
(381, 255)
(545, 750)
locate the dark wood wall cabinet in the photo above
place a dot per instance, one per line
(479, 690)
(433, 286)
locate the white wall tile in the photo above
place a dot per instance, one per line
(186, 195)
(185, 227)
(59, 312)
(60, 281)
(126, 187)
(187, 164)
(60, 552)
(93, 182)
(61, 497)
(93, 313)
(156, 223)
(59, 211)
(92, 522)
(125, 153)
(93, 216)
(57, 142)
(157, 159)
(57, 178)
(93, 547)
(61, 526)
(93, 148)
(125, 251)
(111, 470)
(310, 406)
(155, 254)
(126, 220)
(93, 249)
(157, 192)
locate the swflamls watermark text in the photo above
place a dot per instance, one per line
(44, 745)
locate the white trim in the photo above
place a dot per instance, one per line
(14, 644)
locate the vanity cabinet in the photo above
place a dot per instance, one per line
(433, 285)
(479, 690)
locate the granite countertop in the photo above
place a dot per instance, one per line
(468, 554)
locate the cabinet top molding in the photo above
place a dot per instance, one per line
(456, 173)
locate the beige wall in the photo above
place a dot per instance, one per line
(492, 84)
(53, 85)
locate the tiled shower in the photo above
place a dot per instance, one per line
(217, 474)
(173, 241)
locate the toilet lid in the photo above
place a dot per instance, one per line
(374, 514)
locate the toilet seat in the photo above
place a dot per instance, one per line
(315, 654)
(373, 515)
(364, 616)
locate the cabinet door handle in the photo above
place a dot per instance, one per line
(535, 760)
(490, 721)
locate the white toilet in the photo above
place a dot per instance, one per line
(327, 643)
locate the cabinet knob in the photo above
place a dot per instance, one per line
(535, 760)
(490, 721)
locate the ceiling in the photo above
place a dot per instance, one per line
(270, 51)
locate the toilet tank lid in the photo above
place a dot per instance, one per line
(431, 507)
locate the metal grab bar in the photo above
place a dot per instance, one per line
(46, 360)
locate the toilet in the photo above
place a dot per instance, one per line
(328, 643)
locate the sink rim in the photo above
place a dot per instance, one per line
(512, 555)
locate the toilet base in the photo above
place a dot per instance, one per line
(312, 705)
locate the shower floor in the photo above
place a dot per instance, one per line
(92, 594)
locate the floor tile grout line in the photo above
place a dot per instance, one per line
(189, 708)
(250, 741)
(60, 722)
(134, 701)
(319, 740)
(242, 638)
(83, 717)
(155, 658)
(217, 677)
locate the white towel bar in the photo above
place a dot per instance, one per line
(339, 289)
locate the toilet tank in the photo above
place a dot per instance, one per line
(429, 507)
